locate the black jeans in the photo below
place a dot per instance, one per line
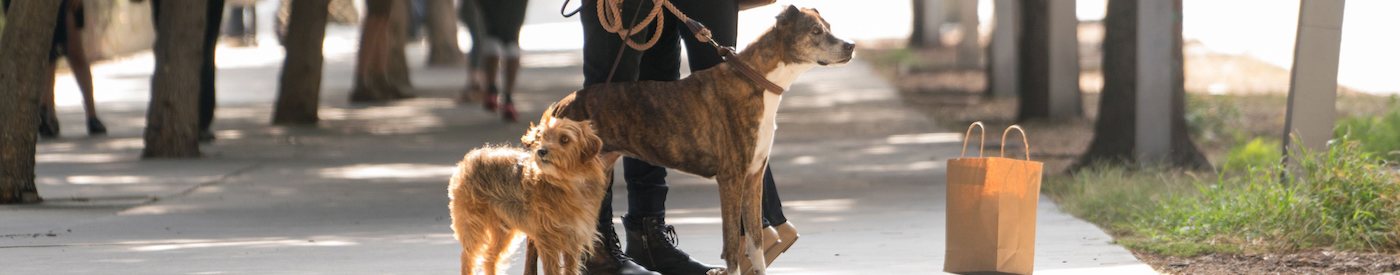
(214, 15)
(646, 183)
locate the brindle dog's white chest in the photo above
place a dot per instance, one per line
(783, 75)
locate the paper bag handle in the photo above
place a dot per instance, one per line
(981, 143)
(1024, 141)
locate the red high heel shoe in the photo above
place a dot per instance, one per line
(508, 112)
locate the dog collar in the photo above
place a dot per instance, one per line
(703, 34)
(749, 72)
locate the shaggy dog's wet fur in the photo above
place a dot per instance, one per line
(550, 191)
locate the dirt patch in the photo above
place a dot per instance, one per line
(1316, 262)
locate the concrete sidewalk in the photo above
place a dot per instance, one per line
(364, 193)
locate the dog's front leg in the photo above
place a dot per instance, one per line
(731, 207)
(753, 223)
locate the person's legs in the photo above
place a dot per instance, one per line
(470, 13)
(508, 16)
(82, 71)
(600, 54)
(235, 27)
(250, 34)
(649, 239)
(48, 114)
(214, 13)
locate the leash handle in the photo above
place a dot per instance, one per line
(563, 9)
(1024, 141)
(982, 141)
(701, 32)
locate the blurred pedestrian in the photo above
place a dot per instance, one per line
(68, 42)
(495, 42)
(242, 25)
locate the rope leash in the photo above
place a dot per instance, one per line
(610, 18)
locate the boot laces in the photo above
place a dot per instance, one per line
(615, 245)
(669, 234)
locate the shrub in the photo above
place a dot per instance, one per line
(1258, 152)
(1344, 199)
(1378, 135)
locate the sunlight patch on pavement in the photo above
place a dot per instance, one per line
(693, 220)
(389, 171)
(804, 160)
(79, 158)
(880, 150)
(245, 244)
(829, 205)
(897, 167)
(158, 209)
(114, 179)
(925, 138)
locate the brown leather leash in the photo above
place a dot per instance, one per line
(609, 16)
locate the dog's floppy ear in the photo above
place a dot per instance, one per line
(788, 14)
(592, 145)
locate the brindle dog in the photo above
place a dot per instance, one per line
(714, 123)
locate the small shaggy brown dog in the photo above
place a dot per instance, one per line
(550, 191)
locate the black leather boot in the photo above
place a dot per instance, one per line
(607, 256)
(653, 244)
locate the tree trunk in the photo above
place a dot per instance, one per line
(172, 120)
(1003, 67)
(398, 34)
(970, 47)
(374, 81)
(300, 88)
(1035, 61)
(25, 50)
(442, 34)
(1115, 131)
(928, 17)
(1049, 61)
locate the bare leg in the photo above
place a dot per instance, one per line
(490, 67)
(508, 93)
(82, 72)
(48, 116)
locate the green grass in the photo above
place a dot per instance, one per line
(1379, 134)
(1258, 152)
(1209, 118)
(1343, 199)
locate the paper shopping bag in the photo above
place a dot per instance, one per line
(991, 211)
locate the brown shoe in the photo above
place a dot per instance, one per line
(786, 235)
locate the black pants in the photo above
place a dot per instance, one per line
(646, 183)
(214, 15)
